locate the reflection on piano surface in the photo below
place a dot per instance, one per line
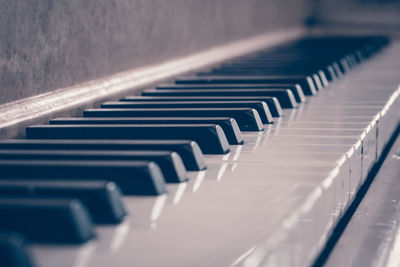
(288, 135)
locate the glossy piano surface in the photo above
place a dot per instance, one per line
(270, 202)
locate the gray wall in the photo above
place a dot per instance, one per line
(378, 14)
(51, 44)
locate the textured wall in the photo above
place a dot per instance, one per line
(361, 13)
(50, 44)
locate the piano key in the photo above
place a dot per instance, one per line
(13, 251)
(102, 199)
(322, 77)
(248, 119)
(188, 150)
(331, 74)
(170, 162)
(337, 70)
(270, 67)
(295, 88)
(358, 56)
(272, 102)
(276, 158)
(344, 65)
(133, 177)
(273, 68)
(320, 132)
(260, 106)
(210, 137)
(315, 78)
(46, 220)
(351, 60)
(306, 82)
(285, 97)
(229, 125)
(322, 71)
(318, 81)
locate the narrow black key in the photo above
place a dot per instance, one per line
(102, 199)
(13, 252)
(344, 65)
(313, 77)
(210, 137)
(272, 102)
(295, 88)
(337, 69)
(170, 162)
(188, 150)
(247, 118)
(260, 106)
(315, 83)
(306, 82)
(323, 78)
(285, 97)
(331, 74)
(271, 70)
(229, 125)
(46, 220)
(133, 177)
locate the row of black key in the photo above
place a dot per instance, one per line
(72, 172)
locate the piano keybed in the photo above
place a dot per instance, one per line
(288, 136)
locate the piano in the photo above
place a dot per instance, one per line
(247, 154)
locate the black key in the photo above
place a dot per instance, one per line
(323, 73)
(274, 70)
(306, 82)
(323, 78)
(331, 73)
(260, 106)
(317, 82)
(314, 79)
(102, 199)
(247, 118)
(188, 150)
(13, 252)
(344, 65)
(132, 177)
(272, 102)
(337, 69)
(46, 220)
(210, 137)
(295, 88)
(285, 97)
(229, 125)
(170, 162)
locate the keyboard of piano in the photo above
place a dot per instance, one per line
(270, 202)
